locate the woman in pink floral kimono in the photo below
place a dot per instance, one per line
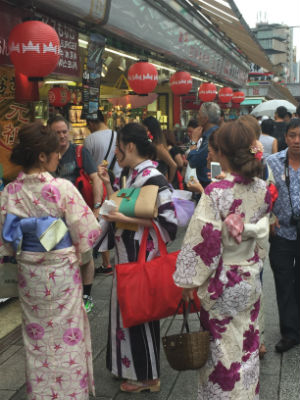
(47, 225)
(225, 270)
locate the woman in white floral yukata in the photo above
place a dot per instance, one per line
(47, 225)
(225, 270)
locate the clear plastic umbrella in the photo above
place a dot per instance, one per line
(269, 107)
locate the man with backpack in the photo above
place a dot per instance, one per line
(101, 144)
(77, 165)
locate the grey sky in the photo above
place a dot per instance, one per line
(286, 12)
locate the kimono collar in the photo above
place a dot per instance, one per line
(139, 168)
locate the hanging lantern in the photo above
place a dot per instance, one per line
(225, 94)
(238, 97)
(59, 97)
(207, 92)
(25, 91)
(181, 82)
(34, 48)
(142, 77)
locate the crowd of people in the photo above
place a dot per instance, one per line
(54, 235)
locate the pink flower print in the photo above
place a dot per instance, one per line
(84, 381)
(254, 312)
(22, 281)
(120, 334)
(14, 187)
(150, 245)
(28, 387)
(134, 175)
(222, 184)
(35, 331)
(215, 285)
(146, 172)
(226, 378)
(246, 357)
(234, 206)
(211, 245)
(51, 193)
(92, 237)
(214, 326)
(77, 277)
(233, 276)
(251, 341)
(72, 336)
(155, 163)
(126, 362)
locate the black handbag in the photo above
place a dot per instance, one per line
(186, 350)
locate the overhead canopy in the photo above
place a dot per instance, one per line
(225, 15)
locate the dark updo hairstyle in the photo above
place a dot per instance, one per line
(252, 121)
(33, 139)
(234, 140)
(154, 128)
(137, 134)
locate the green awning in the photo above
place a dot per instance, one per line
(251, 102)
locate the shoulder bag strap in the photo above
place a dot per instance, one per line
(161, 244)
(110, 143)
(79, 156)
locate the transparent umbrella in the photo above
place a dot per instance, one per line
(269, 107)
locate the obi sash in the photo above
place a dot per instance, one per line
(35, 234)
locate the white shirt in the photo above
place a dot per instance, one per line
(97, 144)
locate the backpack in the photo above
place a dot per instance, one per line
(83, 182)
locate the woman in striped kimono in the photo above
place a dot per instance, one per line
(133, 353)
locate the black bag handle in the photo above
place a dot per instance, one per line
(185, 315)
(110, 143)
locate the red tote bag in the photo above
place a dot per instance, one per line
(146, 290)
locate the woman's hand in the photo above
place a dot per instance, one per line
(188, 294)
(103, 175)
(116, 216)
(274, 226)
(195, 186)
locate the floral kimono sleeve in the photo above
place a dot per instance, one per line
(83, 226)
(5, 248)
(201, 251)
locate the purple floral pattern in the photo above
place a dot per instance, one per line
(211, 245)
(226, 378)
(251, 340)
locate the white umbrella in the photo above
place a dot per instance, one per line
(269, 107)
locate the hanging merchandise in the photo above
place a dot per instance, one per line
(181, 82)
(34, 48)
(142, 77)
(225, 95)
(207, 92)
(59, 96)
(238, 97)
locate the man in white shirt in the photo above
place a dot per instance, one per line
(101, 144)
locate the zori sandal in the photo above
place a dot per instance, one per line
(137, 387)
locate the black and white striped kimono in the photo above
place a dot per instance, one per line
(133, 353)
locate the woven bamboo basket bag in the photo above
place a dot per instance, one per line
(186, 350)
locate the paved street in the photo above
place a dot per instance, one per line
(279, 374)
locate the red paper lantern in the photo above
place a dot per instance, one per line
(181, 82)
(238, 97)
(25, 91)
(225, 94)
(143, 77)
(34, 48)
(207, 92)
(59, 97)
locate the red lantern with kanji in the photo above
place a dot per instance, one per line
(34, 48)
(142, 77)
(207, 92)
(238, 97)
(59, 97)
(181, 82)
(225, 94)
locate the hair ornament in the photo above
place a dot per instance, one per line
(257, 150)
(150, 137)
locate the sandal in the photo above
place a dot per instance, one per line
(137, 387)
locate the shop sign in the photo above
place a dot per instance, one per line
(190, 102)
(7, 82)
(91, 77)
(68, 63)
(9, 18)
(156, 31)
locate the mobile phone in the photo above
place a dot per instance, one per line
(215, 170)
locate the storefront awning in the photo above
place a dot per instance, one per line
(251, 102)
(230, 21)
